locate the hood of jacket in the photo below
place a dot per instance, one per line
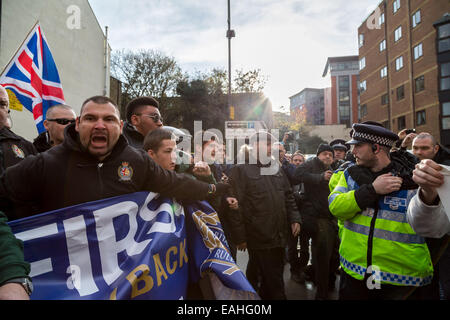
(7, 134)
(72, 142)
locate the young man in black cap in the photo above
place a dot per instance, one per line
(381, 256)
(318, 223)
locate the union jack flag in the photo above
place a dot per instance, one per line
(32, 77)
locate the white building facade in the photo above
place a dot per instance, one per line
(76, 40)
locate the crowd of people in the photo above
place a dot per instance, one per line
(368, 206)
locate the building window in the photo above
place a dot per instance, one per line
(400, 92)
(362, 63)
(446, 116)
(381, 19)
(384, 99)
(444, 38)
(421, 118)
(363, 86)
(344, 81)
(399, 63)
(401, 123)
(361, 40)
(418, 51)
(416, 19)
(445, 76)
(398, 34)
(396, 5)
(382, 45)
(386, 124)
(383, 72)
(420, 83)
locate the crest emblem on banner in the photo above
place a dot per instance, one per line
(18, 152)
(125, 172)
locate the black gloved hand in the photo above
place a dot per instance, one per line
(222, 188)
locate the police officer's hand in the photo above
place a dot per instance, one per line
(232, 203)
(242, 246)
(295, 227)
(387, 183)
(427, 175)
(327, 175)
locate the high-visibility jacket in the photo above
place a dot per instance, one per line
(380, 237)
(334, 180)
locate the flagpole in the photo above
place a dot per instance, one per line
(14, 55)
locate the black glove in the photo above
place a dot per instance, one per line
(222, 188)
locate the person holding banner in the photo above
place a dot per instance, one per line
(15, 283)
(94, 162)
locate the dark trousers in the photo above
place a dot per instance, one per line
(268, 264)
(444, 273)
(293, 253)
(323, 244)
(353, 289)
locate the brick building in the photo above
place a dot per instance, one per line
(341, 98)
(399, 71)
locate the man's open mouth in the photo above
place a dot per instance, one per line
(99, 140)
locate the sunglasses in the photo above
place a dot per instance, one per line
(154, 117)
(62, 121)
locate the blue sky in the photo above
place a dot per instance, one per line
(289, 40)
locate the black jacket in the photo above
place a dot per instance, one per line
(266, 206)
(315, 201)
(66, 175)
(13, 149)
(41, 143)
(134, 137)
(442, 156)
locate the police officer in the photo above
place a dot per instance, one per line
(380, 254)
(339, 151)
(94, 162)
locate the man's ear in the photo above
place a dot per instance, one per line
(135, 120)
(46, 125)
(436, 148)
(151, 153)
(77, 124)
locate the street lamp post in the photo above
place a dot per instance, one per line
(230, 34)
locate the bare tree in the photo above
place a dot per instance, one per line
(146, 73)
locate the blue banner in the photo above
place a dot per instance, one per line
(136, 246)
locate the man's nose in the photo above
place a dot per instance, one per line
(100, 124)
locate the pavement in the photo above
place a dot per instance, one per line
(294, 290)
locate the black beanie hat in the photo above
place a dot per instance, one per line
(324, 147)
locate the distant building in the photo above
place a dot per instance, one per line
(309, 101)
(79, 49)
(341, 98)
(404, 55)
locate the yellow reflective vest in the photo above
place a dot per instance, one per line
(379, 238)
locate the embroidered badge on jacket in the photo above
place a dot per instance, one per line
(125, 172)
